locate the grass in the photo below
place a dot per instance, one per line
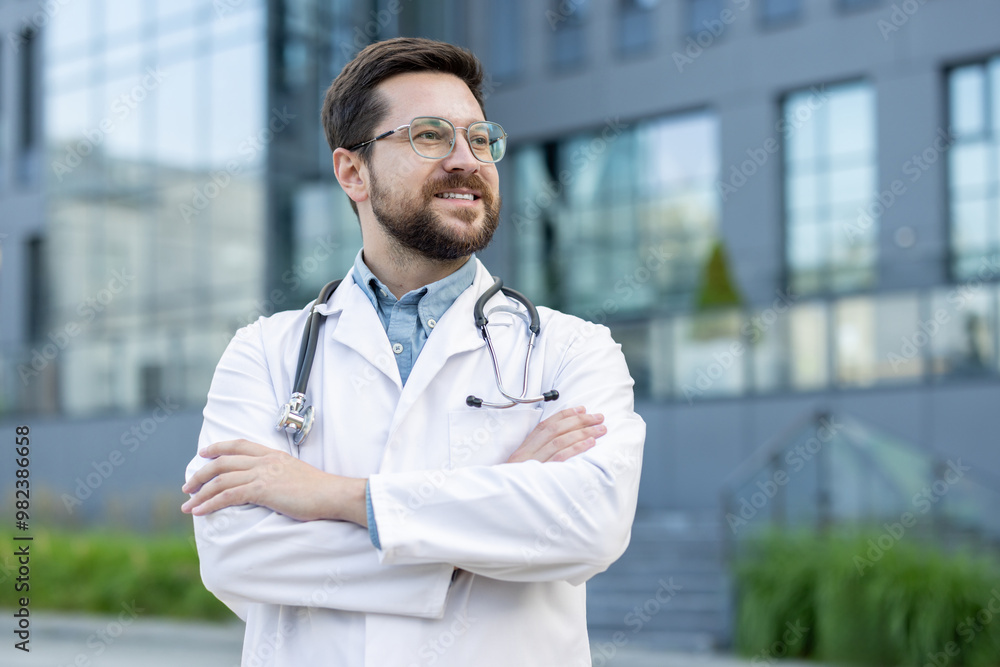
(98, 572)
(909, 604)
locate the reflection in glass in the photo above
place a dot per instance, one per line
(963, 322)
(974, 167)
(567, 22)
(636, 23)
(830, 181)
(158, 251)
(619, 220)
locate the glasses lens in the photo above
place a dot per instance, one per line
(431, 137)
(488, 141)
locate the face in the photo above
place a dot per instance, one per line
(408, 193)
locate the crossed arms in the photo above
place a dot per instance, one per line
(274, 529)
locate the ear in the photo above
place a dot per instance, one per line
(351, 174)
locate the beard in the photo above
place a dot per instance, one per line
(415, 226)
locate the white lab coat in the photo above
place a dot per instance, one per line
(524, 536)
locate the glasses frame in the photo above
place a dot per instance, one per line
(454, 134)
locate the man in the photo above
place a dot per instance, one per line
(410, 528)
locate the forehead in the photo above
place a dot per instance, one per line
(428, 94)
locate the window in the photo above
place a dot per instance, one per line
(444, 20)
(619, 220)
(636, 23)
(505, 39)
(774, 12)
(568, 21)
(28, 122)
(831, 226)
(702, 14)
(974, 168)
(36, 299)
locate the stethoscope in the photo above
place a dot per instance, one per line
(299, 418)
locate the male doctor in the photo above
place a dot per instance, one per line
(410, 528)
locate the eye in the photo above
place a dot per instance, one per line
(428, 135)
(479, 141)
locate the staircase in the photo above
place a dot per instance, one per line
(669, 590)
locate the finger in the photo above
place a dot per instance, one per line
(560, 424)
(216, 467)
(570, 439)
(241, 446)
(226, 490)
(569, 452)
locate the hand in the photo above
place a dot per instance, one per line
(561, 436)
(243, 472)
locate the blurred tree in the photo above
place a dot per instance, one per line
(717, 289)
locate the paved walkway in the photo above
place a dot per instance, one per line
(65, 640)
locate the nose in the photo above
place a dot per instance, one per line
(461, 157)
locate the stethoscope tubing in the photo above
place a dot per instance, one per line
(295, 416)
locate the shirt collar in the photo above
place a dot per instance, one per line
(431, 300)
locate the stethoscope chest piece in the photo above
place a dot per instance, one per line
(292, 416)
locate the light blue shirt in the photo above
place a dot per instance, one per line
(408, 322)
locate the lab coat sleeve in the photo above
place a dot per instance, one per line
(251, 554)
(530, 521)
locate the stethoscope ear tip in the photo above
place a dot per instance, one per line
(474, 402)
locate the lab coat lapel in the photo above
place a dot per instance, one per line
(454, 334)
(359, 328)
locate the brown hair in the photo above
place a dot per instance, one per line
(353, 109)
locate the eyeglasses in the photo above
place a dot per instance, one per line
(434, 138)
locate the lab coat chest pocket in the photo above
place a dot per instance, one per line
(488, 437)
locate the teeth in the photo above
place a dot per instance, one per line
(454, 195)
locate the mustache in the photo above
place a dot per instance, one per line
(452, 181)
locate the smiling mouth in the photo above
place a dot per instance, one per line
(456, 195)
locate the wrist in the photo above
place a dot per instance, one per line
(348, 501)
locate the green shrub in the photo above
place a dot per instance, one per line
(97, 572)
(908, 604)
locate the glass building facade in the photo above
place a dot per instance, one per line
(155, 148)
(188, 190)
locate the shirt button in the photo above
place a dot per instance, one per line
(432, 323)
(397, 348)
(383, 292)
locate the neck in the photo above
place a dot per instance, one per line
(403, 272)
